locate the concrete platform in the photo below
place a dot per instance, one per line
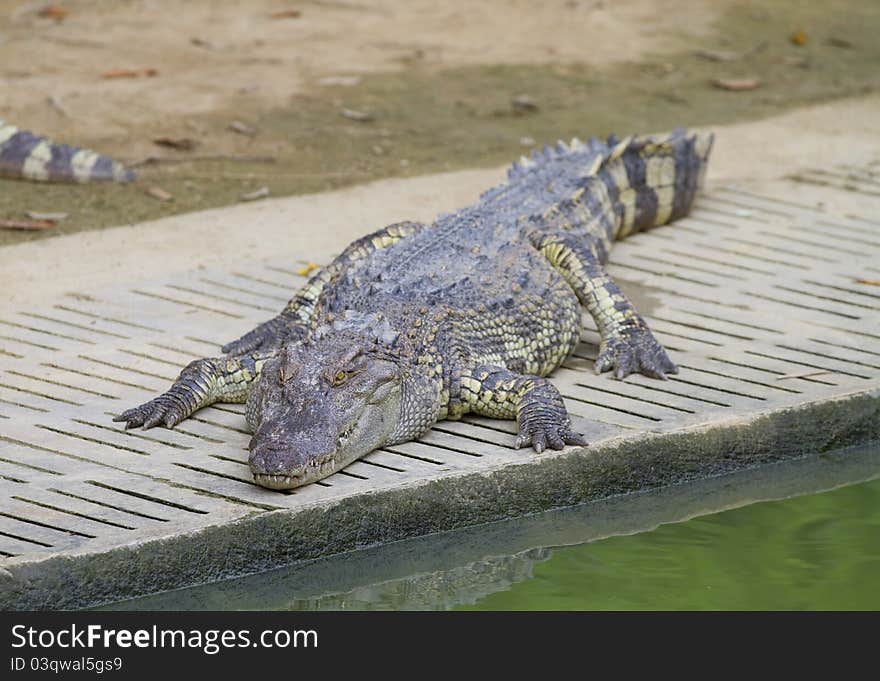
(768, 304)
(446, 569)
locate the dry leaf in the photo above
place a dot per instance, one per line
(736, 84)
(354, 115)
(242, 128)
(307, 270)
(869, 282)
(54, 12)
(287, 14)
(839, 42)
(129, 73)
(120, 73)
(24, 225)
(180, 144)
(524, 104)
(717, 55)
(51, 217)
(799, 38)
(343, 81)
(260, 193)
(159, 193)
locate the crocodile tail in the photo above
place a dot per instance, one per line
(652, 180)
(24, 155)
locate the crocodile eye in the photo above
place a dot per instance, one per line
(340, 378)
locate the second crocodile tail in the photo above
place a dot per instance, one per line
(24, 155)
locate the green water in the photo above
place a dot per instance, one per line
(802, 534)
(820, 551)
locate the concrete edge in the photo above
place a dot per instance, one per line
(273, 539)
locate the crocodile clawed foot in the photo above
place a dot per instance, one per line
(165, 409)
(253, 340)
(267, 335)
(634, 350)
(546, 428)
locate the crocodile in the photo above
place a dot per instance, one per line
(421, 322)
(26, 156)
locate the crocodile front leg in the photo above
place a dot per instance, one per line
(533, 401)
(627, 344)
(201, 383)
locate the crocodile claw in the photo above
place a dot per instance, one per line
(252, 340)
(545, 431)
(634, 350)
(165, 409)
(267, 335)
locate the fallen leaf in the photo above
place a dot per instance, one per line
(717, 55)
(736, 84)
(307, 270)
(129, 73)
(56, 12)
(839, 42)
(260, 193)
(524, 104)
(120, 73)
(869, 282)
(51, 217)
(55, 102)
(287, 14)
(24, 225)
(354, 115)
(242, 128)
(159, 193)
(180, 144)
(799, 38)
(343, 81)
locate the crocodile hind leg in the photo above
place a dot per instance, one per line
(533, 401)
(294, 321)
(202, 382)
(627, 344)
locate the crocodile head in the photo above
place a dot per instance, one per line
(322, 403)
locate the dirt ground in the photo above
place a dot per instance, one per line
(437, 85)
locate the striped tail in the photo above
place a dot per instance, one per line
(24, 155)
(652, 180)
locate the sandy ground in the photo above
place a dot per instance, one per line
(755, 154)
(224, 55)
(438, 84)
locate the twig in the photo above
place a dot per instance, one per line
(239, 158)
(55, 102)
(35, 226)
(806, 374)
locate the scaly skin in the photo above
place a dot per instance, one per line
(26, 156)
(417, 323)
